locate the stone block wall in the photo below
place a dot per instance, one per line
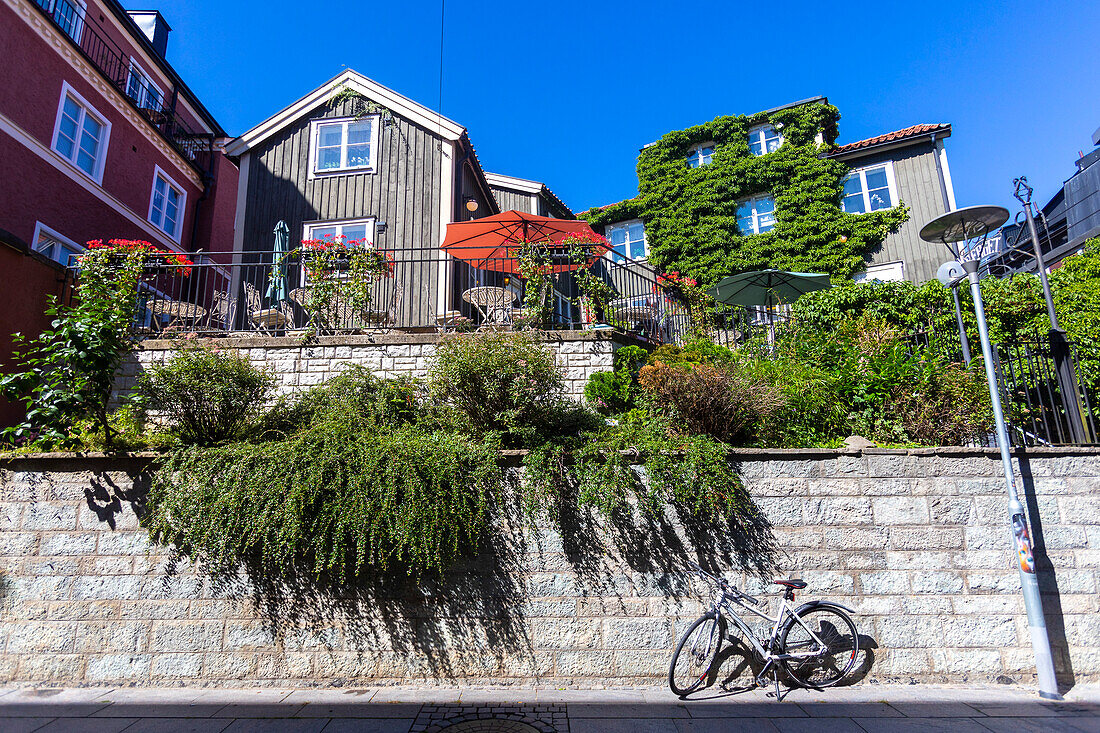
(297, 366)
(916, 542)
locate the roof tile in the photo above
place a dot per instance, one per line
(890, 137)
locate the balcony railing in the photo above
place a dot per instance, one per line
(115, 65)
(427, 291)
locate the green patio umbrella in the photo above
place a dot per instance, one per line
(276, 289)
(767, 288)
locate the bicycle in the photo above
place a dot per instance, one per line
(815, 644)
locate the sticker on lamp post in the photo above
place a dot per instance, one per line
(1023, 543)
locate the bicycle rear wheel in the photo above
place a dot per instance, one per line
(694, 657)
(829, 665)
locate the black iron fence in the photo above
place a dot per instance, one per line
(425, 290)
(1036, 408)
(153, 103)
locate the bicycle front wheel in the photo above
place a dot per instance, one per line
(695, 654)
(825, 663)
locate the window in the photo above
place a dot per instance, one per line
(343, 145)
(886, 272)
(764, 139)
(357, 229)
(141, 89)
(700, 155)
(756, 215)
(55, 246)
(80, 134)
(166, 204)
(69, 14)
(627, 240)
(869, 189)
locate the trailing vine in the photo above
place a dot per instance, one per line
(360, 107)
(690, 214)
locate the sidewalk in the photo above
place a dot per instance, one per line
(866, 707)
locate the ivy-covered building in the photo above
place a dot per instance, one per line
(773, 189)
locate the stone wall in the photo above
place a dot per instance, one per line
(917, 542)
(297, 366)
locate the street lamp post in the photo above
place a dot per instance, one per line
(962, 225)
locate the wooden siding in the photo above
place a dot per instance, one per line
(509, 200)
(404, 192)
(919, 188)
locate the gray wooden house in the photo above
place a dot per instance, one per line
(357, 159)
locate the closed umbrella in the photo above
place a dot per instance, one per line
(276, 289)
(767, 288)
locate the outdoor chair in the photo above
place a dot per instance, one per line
(384, 316)
(266, 320)
(223, 311)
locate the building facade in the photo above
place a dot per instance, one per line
(760, 190)
(100, 139)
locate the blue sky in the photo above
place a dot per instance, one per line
(567, 92)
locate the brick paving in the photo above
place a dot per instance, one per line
(860, 709)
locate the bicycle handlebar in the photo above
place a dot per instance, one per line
(724, 585)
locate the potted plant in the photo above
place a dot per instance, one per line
(155, 261)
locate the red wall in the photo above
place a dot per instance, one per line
(23, 309)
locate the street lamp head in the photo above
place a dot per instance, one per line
(963, 225)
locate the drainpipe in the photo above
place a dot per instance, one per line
(954, 288)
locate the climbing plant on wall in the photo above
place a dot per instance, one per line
(690, 214)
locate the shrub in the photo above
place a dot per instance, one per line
(498, 382)
(207, 395)
(727, 402)
(615, 392)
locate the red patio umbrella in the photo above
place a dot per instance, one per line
(490, 243)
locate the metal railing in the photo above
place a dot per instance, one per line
(427, 291)
(1035, 406)
(111, 61)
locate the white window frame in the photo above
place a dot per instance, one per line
(612, 254)
(86, 108)
(81, 8)
(755, 213)
(142, 100)
(158, 172)
(695, 154)
(309, 226)
(757, 130)
(60, 239)
(891, 185)
(314, 131)
(874, 272)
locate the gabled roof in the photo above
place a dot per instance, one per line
(892, 138)
(499, 180)
(355, 81)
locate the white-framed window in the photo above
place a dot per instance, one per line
(627, 240)
(886, 272)
(343, 145)
(700, 155)
(81, 134)
(756, 215)
(351, 229)
(55, 245)
(869, 189)
(141, 88)
(69, 14)
(166, 204)
(764, 139)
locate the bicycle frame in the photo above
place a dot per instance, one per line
(724, 602)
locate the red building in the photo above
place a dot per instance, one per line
(99, 138)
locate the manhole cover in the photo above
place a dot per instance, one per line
(490, 725)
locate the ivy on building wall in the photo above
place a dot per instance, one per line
(690, 214)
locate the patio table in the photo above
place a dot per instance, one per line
(492, 302)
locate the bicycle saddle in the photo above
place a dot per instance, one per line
(793, 584)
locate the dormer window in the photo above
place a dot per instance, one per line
(700, 155)
(346, 145)
(764, 139)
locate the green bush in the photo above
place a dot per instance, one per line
(615, 392)
(206, 395)
(497, 382)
